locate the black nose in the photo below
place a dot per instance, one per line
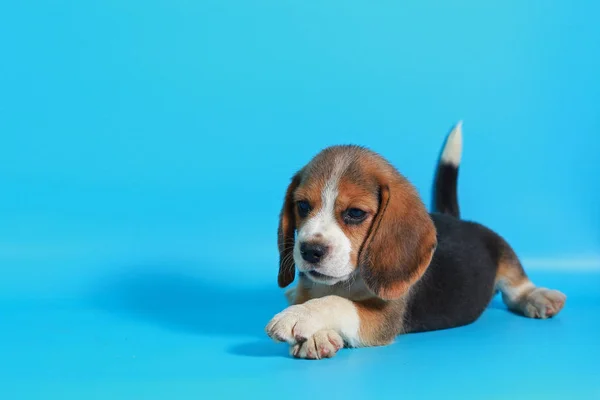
(313, 252)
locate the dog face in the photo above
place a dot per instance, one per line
(349, 211)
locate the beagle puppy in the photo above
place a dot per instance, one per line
(374, 263)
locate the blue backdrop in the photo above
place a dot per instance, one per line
(146, 146)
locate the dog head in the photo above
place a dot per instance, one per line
(348, 211)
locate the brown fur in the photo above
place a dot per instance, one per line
(390, 251)
(355, 194)
(510, 270)
(380, 321)
(519, 294)
(392, 247)
(393, 252)
(285, 235)
(402, 238)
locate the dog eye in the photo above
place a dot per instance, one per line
(354, 216)
(303, 208)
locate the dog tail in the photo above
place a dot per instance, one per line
(445, 198)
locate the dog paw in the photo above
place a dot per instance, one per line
(543, 303)
(295, 324)
(323, 344)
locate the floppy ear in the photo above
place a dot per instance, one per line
(401, 241)
(286, 236)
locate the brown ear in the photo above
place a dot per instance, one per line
(286, 236)
(401, 241)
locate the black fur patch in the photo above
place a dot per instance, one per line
(444, 195)
(459, 283)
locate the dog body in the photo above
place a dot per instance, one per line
(373, 263)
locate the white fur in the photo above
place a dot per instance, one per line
(453, 149)
(353, 289)
(323, 344)
(512, 293)
(336, 263)
(300, 322)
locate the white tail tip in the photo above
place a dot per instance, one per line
(453, 149)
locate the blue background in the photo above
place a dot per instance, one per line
(146, 146)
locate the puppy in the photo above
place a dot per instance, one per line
(374, 264)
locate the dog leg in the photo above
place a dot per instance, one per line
(522, 296)
(330, 319)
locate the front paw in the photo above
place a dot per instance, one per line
(294, 325)
(323, 344)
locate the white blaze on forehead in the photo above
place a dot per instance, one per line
(324, 225)
(324, 221)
